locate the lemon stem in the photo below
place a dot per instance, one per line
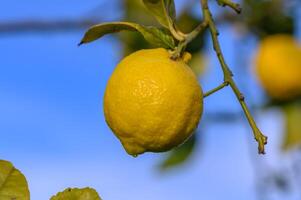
(259, 137)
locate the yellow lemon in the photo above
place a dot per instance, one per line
(152, 103)
(278, 66)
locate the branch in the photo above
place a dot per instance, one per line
(259, 137)
(235, 6)
(216, 89)
(45, 26)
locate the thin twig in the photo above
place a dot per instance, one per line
(235, 6)
(224, 84)
(259, 137)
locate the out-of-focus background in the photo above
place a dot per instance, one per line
(52, 125)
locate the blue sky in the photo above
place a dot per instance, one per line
(52, 125)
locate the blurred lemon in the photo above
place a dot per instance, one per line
(152, 103)
(278, 66)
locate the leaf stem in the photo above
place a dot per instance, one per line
(176, 33)
(200, 28)
(224, 84)
(188, 38)
(259, 137)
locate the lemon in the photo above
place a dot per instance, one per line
(278, 66)
(152, 103)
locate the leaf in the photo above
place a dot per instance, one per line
(163, 10)
(135, 11)
(198, 63)
(13, 184)
(292, 137)
(271, 17)
(179, 155)
(77, 194)
(153, 35)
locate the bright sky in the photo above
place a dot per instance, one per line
(52, 125)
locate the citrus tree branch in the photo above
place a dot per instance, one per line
(259, 137)
(235, 6)
(224, 84)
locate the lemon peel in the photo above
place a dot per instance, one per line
(153, 103)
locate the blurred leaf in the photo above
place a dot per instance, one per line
(280, 103)
(77, 194)
(292, 137)
(153, 35)
(267, 17)
(278, 180)
(186, 23)
(163, 10)
(281, 182)
(198, 63)
(179, 155)
(13, 184)
(133, 41)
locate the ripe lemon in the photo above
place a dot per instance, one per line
(152, 103)
(278, 66)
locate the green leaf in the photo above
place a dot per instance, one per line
(163, 10)
(77, 194)
(179, 155)
(134, 11)
(13, 184)
(292, 137)
(153, 35)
